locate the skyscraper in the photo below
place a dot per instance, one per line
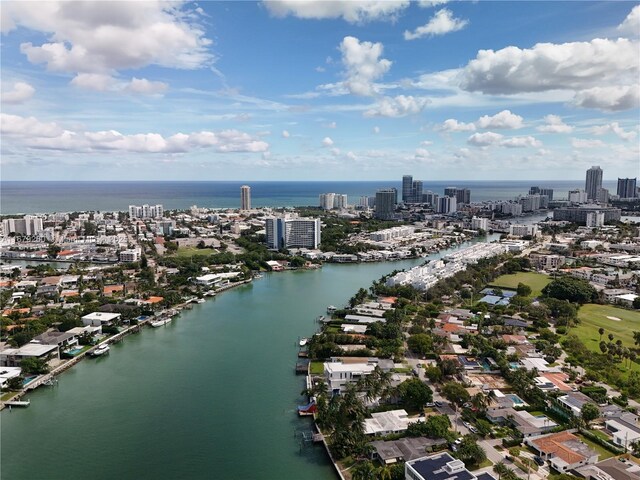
(385, 203)
(416, 192)
(627, 188)
(293, 232)
(593, 183)
(462, 195)
(407, 188)
(245, 197)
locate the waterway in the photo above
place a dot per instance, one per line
(211, 395)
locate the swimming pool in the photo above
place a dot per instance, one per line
(517, 401)
(74, 351)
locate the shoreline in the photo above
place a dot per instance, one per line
(44, 379)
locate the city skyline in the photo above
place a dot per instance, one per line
(315, 90)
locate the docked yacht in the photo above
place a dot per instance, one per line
(100, 350)
(160, 322)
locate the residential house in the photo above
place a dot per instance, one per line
(11, 357)
(98, 319)
(441, 466)
(573, 402)
(564, 451)
(521, 420)
(386, 423)
(404, 449)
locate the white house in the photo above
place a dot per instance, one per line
(98, 319)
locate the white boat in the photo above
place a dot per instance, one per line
(200, 300)
(160, 322)
(303, 341)
(100, 350)
(331, 309)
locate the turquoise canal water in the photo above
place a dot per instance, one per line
(211, 395)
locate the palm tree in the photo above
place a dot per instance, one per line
(479, 402)
(601, 332)
(501, 469)
(636, 338)
(610, 337)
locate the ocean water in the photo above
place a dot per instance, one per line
(45, 197)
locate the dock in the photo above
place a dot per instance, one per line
(17, 403)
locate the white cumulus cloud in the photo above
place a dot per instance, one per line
(631, 24)
(521, 142)
(548, 66)
(363, 65)
(452, 125)
(105, 37)
(32, 133)
(554, 124)
(484, 139)
(285, 134)
(21, 92)
(613, 98)
(352, 11)
(399, 106)
(504, 119)
(616, 129)
(441, 23)
(327, 142)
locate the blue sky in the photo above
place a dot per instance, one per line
(303, 90)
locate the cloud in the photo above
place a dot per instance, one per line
(452, 125)
(616, 129)
(422, 153)
(363, 65)
(631, 24)
(548, 66)
(327, 142)
(441, 23)
(103, 38)
(331, 125)
(495, 139)
(352, 11)
(554, 124)
(583, 143)
(20, 93)
(376, 130)
(521, 142)
(484, 139)
(146, 87)
(285, 134)
(101, 82)
(32, 133)
(504, 119)
(431, 3)
(399, 106)
(614, 98)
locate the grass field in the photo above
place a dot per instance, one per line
(186, 252)
(537, 281)
(593, 316)
(317, 368)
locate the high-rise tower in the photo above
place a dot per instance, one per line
(593, 183)
(245, 197)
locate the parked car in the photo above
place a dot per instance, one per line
(430, 404)
(538, 460)
(437, 404)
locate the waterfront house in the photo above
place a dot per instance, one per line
(563, 450)
(341, 371)
(387, 423)
(62, 340)
(404, 449)
(615, 468)
(11, 357)
(97, 319)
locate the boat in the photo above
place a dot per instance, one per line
(100, 350)
(200, 300)
(331, 309)
(303, 341)
(160, 322)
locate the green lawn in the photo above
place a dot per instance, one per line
(537, 281)
(317, 368)
(186, 252)
(603, 452)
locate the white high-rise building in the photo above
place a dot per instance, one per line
(292, 232)
(146, 211)
(595, 219)
(523, 230)
(340, 201)
(480, 223)
(327, 200)
(28, 225)
(245, 197)
(578, 196)
(446, 205)
(509, 208)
